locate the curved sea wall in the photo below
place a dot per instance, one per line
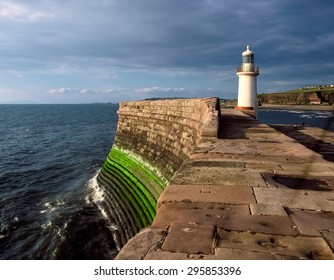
(153, 139)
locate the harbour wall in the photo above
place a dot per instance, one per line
(153, 140)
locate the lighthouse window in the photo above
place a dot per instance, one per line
(248, 59)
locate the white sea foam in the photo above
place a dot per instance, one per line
(95, 193)
(305, 116)
(295, 112)
(47, 225)
(322, 116)
(49, 208)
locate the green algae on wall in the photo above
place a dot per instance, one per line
(138, 186)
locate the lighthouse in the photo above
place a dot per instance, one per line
(247, 89)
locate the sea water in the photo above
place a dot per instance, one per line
(49, 155)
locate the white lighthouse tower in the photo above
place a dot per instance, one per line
(247, 90)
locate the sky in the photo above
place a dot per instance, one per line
(83, 51)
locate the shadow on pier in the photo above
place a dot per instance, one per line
(323, 144)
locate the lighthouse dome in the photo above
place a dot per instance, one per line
(247, 52)
(248, 56)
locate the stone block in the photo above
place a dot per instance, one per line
(190, 238)
(138, 246)
(307, 167)
(162, 255)
(207, 193)
(267, 210)
(234, 147)
(237, 254)
(311, 222)
(329, 237)
(198, 213)
(214, 175)
(260, 224)
(296, 199)
(297, 247)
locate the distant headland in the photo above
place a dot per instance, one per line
(306, 98)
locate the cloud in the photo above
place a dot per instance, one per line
(160, 89)
(68, 90)
(60, 90)
(20, 12)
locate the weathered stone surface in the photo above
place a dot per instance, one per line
(217, 176)
(296, 199)
(316, 139)
(286, 149)
(184, 238)
(163, 255)
(234, 147)
(236, 254)
(137, 247)
(268, 167)
(198, 213)
(300, 247)
(267, 210)
(207, 193)
(329, 237)
(261, 224)
(311, 222)
(307, 167)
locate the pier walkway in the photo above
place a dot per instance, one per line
(255, 193)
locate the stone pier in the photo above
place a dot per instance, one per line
(253, 192)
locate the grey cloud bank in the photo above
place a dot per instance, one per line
(87, 48)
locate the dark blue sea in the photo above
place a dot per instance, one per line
(49, 158)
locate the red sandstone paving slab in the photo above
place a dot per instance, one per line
(267, 210)
(308, 167)
(310, 223)
(217, 176)
(207, 193)
(190, 238)
(310, 174)
(286, 149)
(262, 135)
(237, 254)
(329, 237)
(162, 255)
(182, 213)
(257, 223)
(233, 147)
(138, 246)
(296, 199)
(257, 159)
(299, 247)
(285, 159)
(262, 167)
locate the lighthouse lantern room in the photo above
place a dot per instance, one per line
(247, 89)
